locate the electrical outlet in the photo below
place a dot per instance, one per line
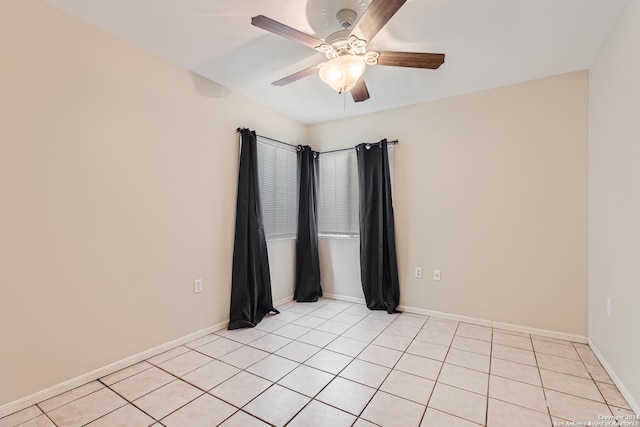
(197, 286)
(418, 273)
(436, 275)
(608, 306)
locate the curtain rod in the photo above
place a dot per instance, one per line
(274, 140)
(394, 142)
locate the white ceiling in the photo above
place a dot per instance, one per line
(488, 43)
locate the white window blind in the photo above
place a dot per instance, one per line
(338, 204)
(277, 165)
(338, 201)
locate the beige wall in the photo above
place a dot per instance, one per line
(490, 188)
(340, 268)
(614, 206)
(118, 174)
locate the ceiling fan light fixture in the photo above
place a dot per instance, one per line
(342, 73)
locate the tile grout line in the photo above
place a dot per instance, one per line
(594, 381)
(435, 382)
(353, 359)
(276, 382)
(544, 393)
(486, 415)
(337, 375)
(390, 369)
(404, 352)
(132, 402)
(247, 343)
(300, 364)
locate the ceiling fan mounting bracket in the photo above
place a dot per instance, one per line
(346, 18)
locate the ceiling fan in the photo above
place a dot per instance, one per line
(347, 50)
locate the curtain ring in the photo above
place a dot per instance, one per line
(368, 147)
(315, 155)
(299, 148)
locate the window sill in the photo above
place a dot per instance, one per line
(339, 236)
(279, 239)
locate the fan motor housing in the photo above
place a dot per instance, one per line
(338, 37)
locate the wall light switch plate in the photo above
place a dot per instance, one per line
(436, 275)
(197, 286)
(418, 273)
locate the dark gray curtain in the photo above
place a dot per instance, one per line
(378, 263)
(251, 282)
(307, 261)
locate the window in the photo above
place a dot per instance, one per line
(338, 202)
(277, 168)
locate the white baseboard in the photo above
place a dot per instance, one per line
(475, 320)
(565, 336)
(516, 328)
(635, 406)
(40, 396)
(344, 298)
(283, 301)
(491, 323)
(457, 317)
(57, 389)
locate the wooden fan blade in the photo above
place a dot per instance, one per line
(276, 27)
(360, 92)
(411, 59)
(375, 17)
(296, 76)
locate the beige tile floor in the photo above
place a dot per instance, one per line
(338, 364)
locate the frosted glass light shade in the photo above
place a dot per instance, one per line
(342, 73)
